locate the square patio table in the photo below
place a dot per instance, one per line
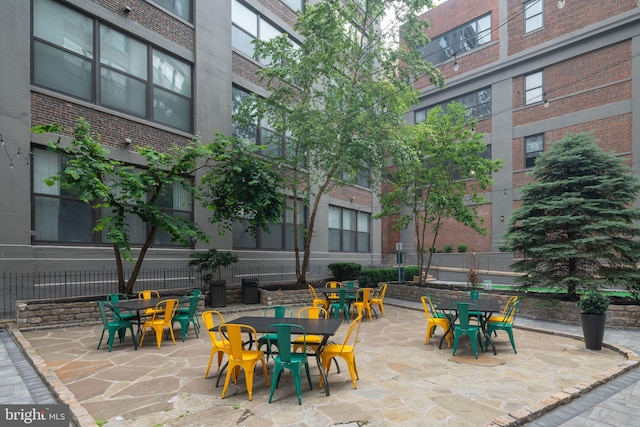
(487, 305)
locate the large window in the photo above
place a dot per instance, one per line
(461, 39)
(64, 60)
(278, 237)
(349, 230)
(182, 8)
(60, 216)
(533, 146)
(478, 105)
(295, 4)
(532, 15)
(533, 88)
(248, 26)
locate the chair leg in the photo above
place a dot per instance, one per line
(513, 344)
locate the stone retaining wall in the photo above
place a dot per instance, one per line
(84, 310)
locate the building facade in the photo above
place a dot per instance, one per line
(532, 71)
(142, 72)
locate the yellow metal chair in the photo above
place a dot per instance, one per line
(362, 302)
(217, 345)
(333, 297)
(239, 357)
(316, 300)
(378, 298)
(505, 323)
(346, 351)
(500, 317)
(434, 320)
(312, 341)
(161, 319)
(148, 294)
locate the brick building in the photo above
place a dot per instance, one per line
(532, 71)
(148, 72)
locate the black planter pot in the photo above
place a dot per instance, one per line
(593, 330)
(217, 293)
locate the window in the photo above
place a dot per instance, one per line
(280, 235)
(533, 146)
(182, 8)
(362, 179)
(533, 91)
(60, 216)
(349, 230)
(532, 15)
(64, 61)
(478, 105)
(248, 26)
(295, 4)
(459, 40)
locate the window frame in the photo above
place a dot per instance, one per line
(343, 234)
(530, 156)
(530, 17)
(420, 115)
(538, 98)
(174, 11)
(445, 44)
(155, 94)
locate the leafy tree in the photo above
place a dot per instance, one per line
(339, 98)
(576, 227)
(122, 192)
(440, 162)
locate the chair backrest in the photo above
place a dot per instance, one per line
(312, 291)
(103, 311)
(193, 305)
(352, 334)
(364, 294)
(209, 319)
(429, 309)
(148, 294)
(114, 298)
(193, 293)
(313, 313)
(349, 284)
(278, 311)
(342, 296)
(510, 315)
(233, 333)
(510, 301)
(333, 284)
(165, 310)
(464, 319)
(381, 291)
(283, 340)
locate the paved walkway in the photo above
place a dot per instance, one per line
(388, 393)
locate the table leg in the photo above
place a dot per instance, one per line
(487, 336)
(318, 353)
(452, 319)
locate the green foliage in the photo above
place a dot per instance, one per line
(448, 249)
(462, 248)
(374, 276)
(345, 270)
(122, 192)
(210, 262)
(436, 166)
(340, 97)
(576, 228)
(593, 302)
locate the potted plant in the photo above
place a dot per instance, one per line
(209, 263)
(593, 306)
(473, 275)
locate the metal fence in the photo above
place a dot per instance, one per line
(66, 284)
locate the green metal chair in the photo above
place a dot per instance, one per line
(114, 299)
(277, 312)
(184, 310)
(286, 358)
(186, 316)
(112, 326)
(504, 324)
(341, 305)
(466, 326)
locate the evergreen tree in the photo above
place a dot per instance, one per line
(576, 228)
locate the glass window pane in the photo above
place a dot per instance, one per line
(533, 96)
(244, 18)
(421, 116)
(363, 242)
(484, 30)
(171, 73)
(62, 71)
(268, 31)
(123, 53)
(272, 240)
(62, 220)
(348, 241)
(533, 80)
(123, 93)
(241, 41)
(182, 8)
(348, 219)
(533, 143)
(171, 110)
(62, 26)
(45, 165)
(363, 222)
(334, 240)
(164, 238)
(533, 7)
(241, 237)
(334, 217)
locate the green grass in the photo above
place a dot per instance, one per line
(559, 291)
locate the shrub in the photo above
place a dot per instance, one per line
(345, 270)
(593, 302)
(462, 248)
(448, 249)
(373, 276)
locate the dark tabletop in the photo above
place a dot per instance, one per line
(352, 290)
(311, 326)
(141, 304)
(483, 304)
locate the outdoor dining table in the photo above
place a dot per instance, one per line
(139, 305)
(488, 306)
(324, 327)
